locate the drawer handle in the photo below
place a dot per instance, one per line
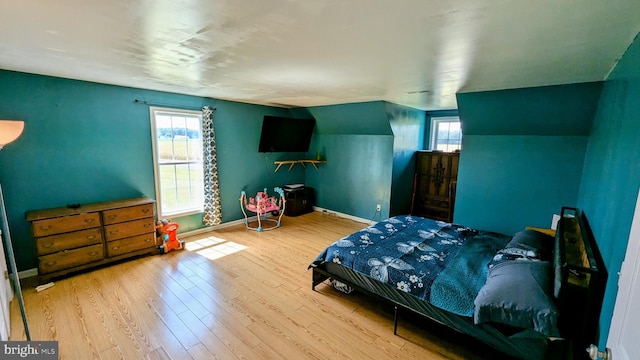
(88, 221)
(145, 210)
(91, 237)
(147, 240)
(93, 253)
(47, 245)
(115, 248)
(147, 225)
(50, 263)
(45, 228)
(111, 217)
(113, 232)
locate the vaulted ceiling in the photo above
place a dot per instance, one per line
(417, 53)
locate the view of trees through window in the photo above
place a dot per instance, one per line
(446, 134)
(179, 161)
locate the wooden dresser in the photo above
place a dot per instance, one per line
(435, 184)
(71, 239)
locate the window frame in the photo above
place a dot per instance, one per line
(433, 136)
(153, 110)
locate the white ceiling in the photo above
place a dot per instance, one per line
(417, 53)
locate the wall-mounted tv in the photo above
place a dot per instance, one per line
(282, 134)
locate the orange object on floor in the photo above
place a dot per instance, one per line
(169, 235)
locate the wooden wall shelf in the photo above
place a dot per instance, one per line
(291, 163)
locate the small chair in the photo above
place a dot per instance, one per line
(262, 205)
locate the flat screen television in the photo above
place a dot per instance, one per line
(282, 134)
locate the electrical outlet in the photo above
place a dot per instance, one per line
(378, 207)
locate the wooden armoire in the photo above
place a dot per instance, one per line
(434, 190)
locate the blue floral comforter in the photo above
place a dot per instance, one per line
(444, 264)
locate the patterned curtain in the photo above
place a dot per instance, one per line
(212, 213)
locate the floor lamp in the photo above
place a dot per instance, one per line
(9, 131)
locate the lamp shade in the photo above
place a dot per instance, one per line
(10, 130)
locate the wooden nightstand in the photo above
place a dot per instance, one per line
(542, 230)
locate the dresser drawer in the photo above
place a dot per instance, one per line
(129, 228)
(126, 214)
(65, 224)
(50, 244)
(70, 258)
(123, 246)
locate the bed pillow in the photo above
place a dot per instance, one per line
(528, 245)
(532, 240)
(518, 293)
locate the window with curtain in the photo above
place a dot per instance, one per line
(446, 134)
(212, 212)
(177, 146)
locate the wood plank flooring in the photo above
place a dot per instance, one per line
(232, 294)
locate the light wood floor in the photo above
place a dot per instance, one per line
(232, 294)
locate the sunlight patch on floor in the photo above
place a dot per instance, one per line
(213, 247)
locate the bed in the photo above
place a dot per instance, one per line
(517, 293)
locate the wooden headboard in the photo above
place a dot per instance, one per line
(581, 277)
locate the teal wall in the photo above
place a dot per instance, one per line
(369, 148)
(611, 175)
(522, 154)
(357, 142)
(85, 142)
(357, 175)
(366, 118)
(408, 126)
(559, 110)
(508, 182)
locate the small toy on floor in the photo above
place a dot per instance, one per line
(262, 205)
(166, 231)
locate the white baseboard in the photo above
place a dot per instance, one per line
(342, 215)
(27, 273)
(215, 227)
(34, 272)
(253, 218)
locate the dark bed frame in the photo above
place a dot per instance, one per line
(580, 282)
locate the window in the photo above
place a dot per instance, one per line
(177, 148)
(446, 134)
